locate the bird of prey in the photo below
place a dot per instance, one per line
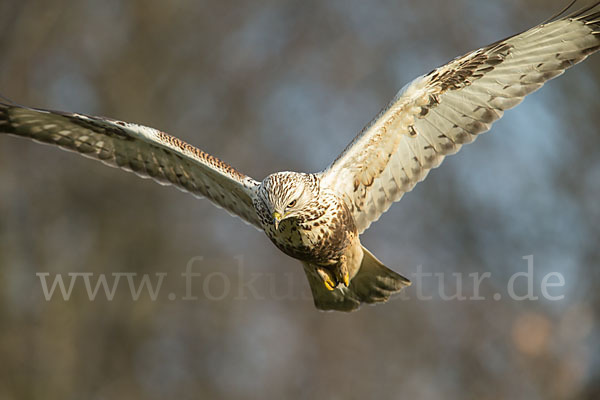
(317, 217)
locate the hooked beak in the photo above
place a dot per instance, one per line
(276, 220)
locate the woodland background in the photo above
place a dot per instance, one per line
(258, 84)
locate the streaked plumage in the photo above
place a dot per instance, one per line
(317, 218)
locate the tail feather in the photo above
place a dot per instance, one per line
(373, 283)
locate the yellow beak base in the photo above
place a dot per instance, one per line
(276, 219)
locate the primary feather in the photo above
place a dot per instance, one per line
(146, 151)
(439, 112)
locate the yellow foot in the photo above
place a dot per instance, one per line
(346, 278)
(342, 275)
(329, 284)
(327, 280)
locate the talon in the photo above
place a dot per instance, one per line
(346, 278)
(329, 283)
(342, 275)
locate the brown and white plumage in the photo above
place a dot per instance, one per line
(145, 151)
(317, 218)
(439, 112)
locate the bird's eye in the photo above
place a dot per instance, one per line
(292, 204)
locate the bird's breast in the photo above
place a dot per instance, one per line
(319, 240)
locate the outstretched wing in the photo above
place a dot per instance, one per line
(145, 151)
(437, 113)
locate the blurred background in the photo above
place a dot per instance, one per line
(258, 83)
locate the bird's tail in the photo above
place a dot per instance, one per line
(373, 283)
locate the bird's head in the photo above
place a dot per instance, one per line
(288, 194)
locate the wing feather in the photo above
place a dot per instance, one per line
(436, 114)
(147, 152)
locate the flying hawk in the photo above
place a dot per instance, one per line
(317, 217)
